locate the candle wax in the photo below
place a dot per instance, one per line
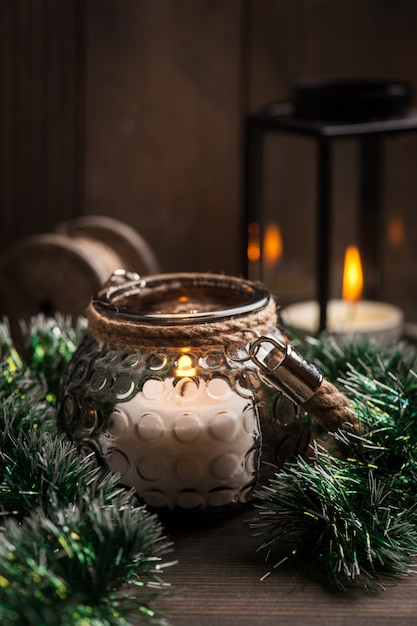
(186, 442)
(371, 320)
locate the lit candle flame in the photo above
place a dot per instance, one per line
(352, 275)
(185, 367)
(273, 247)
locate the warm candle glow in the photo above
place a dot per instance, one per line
(273, 248)
(352, 275)
(185, 366)
(396, 234)
(254, 249)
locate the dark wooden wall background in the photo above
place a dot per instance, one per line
(135, 109)
(42, 102)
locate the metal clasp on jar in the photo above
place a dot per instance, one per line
(284, 367)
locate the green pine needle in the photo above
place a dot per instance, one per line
(74, 561)
(72, 537)
(51, 344)
(340, 518)
(353, 519)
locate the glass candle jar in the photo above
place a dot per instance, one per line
(156, 392)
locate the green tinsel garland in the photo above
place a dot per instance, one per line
(353, 519)
(70, 536)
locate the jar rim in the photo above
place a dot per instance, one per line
(131, 298)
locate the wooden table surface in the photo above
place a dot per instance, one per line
(217, 583)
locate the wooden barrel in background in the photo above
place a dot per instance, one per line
(59, 272)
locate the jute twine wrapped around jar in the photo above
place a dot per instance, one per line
(234, 331)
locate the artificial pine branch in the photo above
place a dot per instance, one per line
(51, 342)
(71, 536)
(75, 559)
(354, 519)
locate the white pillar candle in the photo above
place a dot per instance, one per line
(370, 320)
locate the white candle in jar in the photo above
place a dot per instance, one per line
(187, 441)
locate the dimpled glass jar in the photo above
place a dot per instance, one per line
(154, 391)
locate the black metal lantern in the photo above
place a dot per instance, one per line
(329, 111)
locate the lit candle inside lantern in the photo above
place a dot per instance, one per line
(349, 316)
